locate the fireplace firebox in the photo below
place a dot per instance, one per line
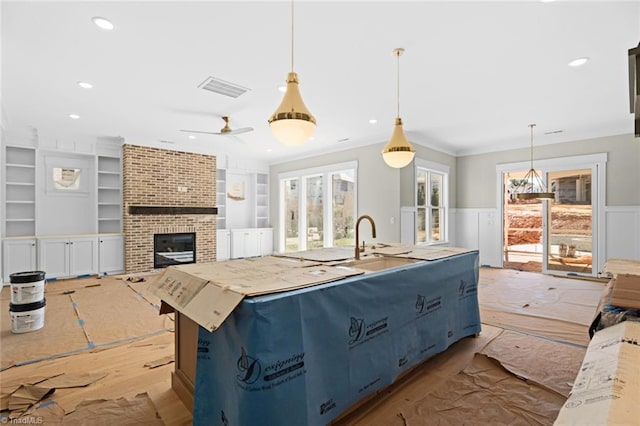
(174, 249)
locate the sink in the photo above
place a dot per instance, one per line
(379, 263)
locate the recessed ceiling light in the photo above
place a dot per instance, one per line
(312, 138)
(373, 121)
(282, 88)
(191, 137)
(269, 149)
(578, 62)
(85, 85)
(547, 1)
(74, 116)
(103, 23)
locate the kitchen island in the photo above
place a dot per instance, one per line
(305, 356)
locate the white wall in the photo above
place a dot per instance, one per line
(239, 212)
(66, 212)
(622, 232)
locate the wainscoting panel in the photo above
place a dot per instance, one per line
(622, 233)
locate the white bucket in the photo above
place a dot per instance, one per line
(27, 287)
(27, 317)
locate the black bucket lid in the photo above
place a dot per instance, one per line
(26, 277)
(27, 306)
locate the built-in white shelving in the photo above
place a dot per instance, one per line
(262, 200)
(221, 198)
(20, 191)
(109, 195)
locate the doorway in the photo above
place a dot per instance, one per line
(559, 236)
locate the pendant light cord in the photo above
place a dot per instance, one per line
(291, 35)
(398, 81)
(531, 126)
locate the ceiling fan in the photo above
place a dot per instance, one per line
(226, 130)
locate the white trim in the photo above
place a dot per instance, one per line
(574, 161)
(426, 164)
(320, 170)
(327, 192)
(597, 163)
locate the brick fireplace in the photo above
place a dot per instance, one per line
(166, 192)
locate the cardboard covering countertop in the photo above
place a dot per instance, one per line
(207, 293)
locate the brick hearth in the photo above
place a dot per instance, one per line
(151, 177)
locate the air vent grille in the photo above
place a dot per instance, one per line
(222, 87)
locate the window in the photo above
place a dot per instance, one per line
(317, 207)
(431, 202)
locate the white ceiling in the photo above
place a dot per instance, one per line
(473, 76)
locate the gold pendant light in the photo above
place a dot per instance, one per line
(398, 152)
(526, 189)
(292, 123)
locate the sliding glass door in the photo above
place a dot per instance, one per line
(562, 236)
(569, 242)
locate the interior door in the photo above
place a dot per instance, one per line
(570, 223)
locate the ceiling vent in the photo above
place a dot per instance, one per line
(222, 87)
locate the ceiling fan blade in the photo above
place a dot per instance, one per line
(199, 131)
(239, 131)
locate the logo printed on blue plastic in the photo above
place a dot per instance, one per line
(425, 307)
(275, 374)
(360, 331)
(466, 290)
(402, 361)
(355, 330)
(420, 303)
(249, 368)
(326, 406)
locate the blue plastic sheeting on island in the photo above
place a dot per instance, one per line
(303, 357)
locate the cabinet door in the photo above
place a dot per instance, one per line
(252, 243)
(18, 256)
(83, 256)
(53, 257)
(238, 243)
(266, 241)
(223, 244)
(111, 254)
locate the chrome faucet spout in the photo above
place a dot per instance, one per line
(373, 232)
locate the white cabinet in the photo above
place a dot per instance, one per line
(265, 241)
(244, 243)
(20, 191)
(18, 255)
(61, 257)
(251, 242)
(111, 254)
(223, 244)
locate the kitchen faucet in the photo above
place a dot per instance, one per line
(373, 233)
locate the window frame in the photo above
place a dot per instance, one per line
(430, 167)
(327, 193)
